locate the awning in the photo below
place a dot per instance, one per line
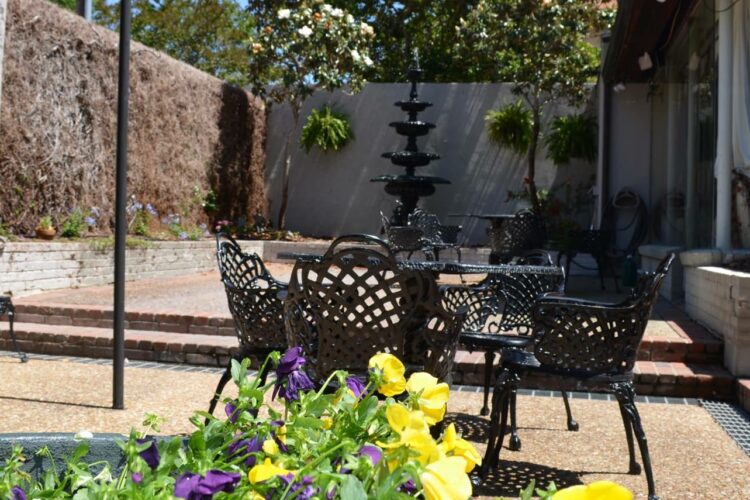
(642, 26)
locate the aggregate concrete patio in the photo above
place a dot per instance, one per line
(692, 455)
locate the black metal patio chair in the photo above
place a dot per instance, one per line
(498, 317)
(256, 303)
(7, 309)
(591, 344)
(602, 243)
(435, 236)
(402, 238)
(355, 301)
(513, 236)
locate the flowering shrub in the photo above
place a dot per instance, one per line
(337, 441)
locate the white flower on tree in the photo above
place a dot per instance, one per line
(284, 13)
(305, 31)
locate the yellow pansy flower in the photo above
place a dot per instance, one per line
(265, 471)
(327, 422)
(270, 447)
(458, 447)
(446, 480)
(393, 370)
(413, 431)
(433, 396)
(599, 490)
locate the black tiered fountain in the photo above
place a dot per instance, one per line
(410, 187)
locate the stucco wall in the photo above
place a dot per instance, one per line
(331, 193)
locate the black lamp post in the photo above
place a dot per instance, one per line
(121, 223)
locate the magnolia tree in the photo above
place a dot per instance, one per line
(297, 51)
(541, 47)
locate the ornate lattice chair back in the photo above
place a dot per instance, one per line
(253, 296)
(352, 303)
(591, 339)
(524, 231)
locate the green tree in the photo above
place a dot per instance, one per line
(210, 35)
(541, 47)
(67, 4)
(297, 51)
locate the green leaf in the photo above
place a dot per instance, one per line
(325, 129)
(511, 127)
(352, 489)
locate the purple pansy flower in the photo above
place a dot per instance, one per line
(183, 235)
(231, 412)
(331, 494)
(150, 209)
(295, 382)
(195, 487)
(137, 477)
(16, 493)
(246, 447)
(408, 487)
(372, 452)
(291, 361)
(300, 490)
(151, 454)
(356, 386)
(289, 378)
(90, 221)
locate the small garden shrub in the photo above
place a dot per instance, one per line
(326, 129)
(76, 224)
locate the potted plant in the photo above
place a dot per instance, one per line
(45, 230)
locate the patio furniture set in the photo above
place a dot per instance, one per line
(359, 299)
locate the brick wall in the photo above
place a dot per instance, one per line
(31, 267)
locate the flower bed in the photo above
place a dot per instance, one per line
(335, 441)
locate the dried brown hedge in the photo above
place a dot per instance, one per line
(58, 124)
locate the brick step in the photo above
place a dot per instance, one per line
(652, 378)
(101, 317)
(692, 345)
(743, 393)
(144, 345)
(660, 378)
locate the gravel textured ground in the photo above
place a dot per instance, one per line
(692, 456)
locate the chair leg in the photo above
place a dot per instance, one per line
(21, 355)
(498, 420)
(489, 358)
(515, 442)
(634, 467)
(600, 266)
(458, 253)
(220, 388)
(625, 395)
(572, 424)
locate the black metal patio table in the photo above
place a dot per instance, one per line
(449, 267)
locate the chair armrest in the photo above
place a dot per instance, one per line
(558, 299)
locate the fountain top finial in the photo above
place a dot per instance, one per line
(414, 74)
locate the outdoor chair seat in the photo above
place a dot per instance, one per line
(255, 299)
(590, 344)
(476, 341)
(514, 236)
(435, 235)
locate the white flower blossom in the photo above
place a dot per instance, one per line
(305, 31)
(349, 18)
(368, 61)
(337, 12)
(284, 13)
(355, 55)
(366, 29)
(326, 7)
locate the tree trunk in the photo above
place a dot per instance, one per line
(280, 223)
(531, 184)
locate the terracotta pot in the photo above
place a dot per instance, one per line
(45, 234)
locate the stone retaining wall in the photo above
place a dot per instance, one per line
(27, 268)
(719, 299)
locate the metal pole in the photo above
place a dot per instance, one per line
(84, 9)
(121, 194)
